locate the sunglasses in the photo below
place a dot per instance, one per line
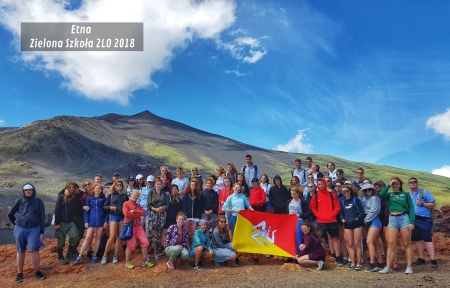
(338, 186)
(413, 182)
(365, 190)
(310, 186)
(345, 191)
(222, 221)
(87, 184)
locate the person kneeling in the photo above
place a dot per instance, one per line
(221, 244)
(201, 246)
(311, 252)
(176, 241)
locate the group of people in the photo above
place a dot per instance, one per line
(183, 219)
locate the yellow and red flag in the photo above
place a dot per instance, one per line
(265, 233)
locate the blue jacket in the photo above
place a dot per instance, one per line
(96, 216)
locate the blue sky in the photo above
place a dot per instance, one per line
(362, 80)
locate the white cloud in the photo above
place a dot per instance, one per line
(443, 171)
(244, 48)
(441, 123)
(2, 122)
(168, 26)
(296, 144)
(237, 73)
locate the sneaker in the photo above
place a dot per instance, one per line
(320, 265)
(408, 270)
(178, 261)
(267, 255)
(256, 261)
(104, 260)
(232, 264)
(129, 265)
(217, 264)
(332, 256)
(94, 259)
(419, 261)
(386, 270)
(396, 267)
(434, 264)
(115, 259)
(358, 267)
(381, 266)
(78, 259)
(39, 275)
(156, 256)
(147, 264)
(349, 263)
(338, 261)
(351, 267)
(19, 277)
(346, 260)
(198, 267)
(171, 266)
(371, 268)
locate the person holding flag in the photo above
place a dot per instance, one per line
(234, 204)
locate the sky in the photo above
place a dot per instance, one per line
(367, 81)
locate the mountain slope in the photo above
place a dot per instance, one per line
(64, 148)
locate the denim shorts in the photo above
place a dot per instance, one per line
(115, 218)
(399, 222)
(26, 236)
(376, 223)
(192, 254)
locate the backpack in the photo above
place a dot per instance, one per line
(432, 215)
(245, 167)
(317, 200)
(355, 203)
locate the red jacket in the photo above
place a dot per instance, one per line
(257, 197)
(327, 208)
(224, 194)
(136, 215)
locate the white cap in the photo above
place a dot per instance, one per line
(139, 176)
(151, 178)
(27, 186)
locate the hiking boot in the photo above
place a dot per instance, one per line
(72, 253)
(147, 264)
(104, 260)
(115, 259)
(62, 260)
(351, 267)
(320, 265)
(419, 261)
(19, 277)
(358, 267)
(371, 268)
(434, 264)
(386, 270)
(408, 270)
(339, 261)
(129, 265)
(39, 275)
(171, 266)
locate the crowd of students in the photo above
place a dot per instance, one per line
(179, 218)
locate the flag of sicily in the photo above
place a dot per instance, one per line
(265, 233)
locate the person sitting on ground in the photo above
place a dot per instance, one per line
(201, 246)
(311, 251)
(133, 212)
(221, 244)
(29, 229)
(176, 241)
